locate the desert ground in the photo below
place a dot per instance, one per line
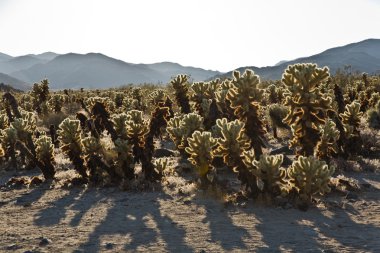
(178, 217)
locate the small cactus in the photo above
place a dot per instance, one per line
(310, 176)
(200, 149)
(45, 156)
(327, 146)
(268, 169)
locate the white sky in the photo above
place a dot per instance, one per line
(212, 34)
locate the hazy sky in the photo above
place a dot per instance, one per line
(212, 34)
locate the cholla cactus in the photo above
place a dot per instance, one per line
(245, 96)
(55, 103)
(120, 125)
(268, 169)
(351, 117)
(130, 104)
(118, 99)
(11, 106)
(137, 128)
(70, 138)
(124, 160)
(233, 146)
(179, 84)
(157, 96)
(92, 150)
(175, 131)
(161, 165)
(25, 128)
(233, 142)
(351, 122)
(310, 176)
(222, 102)
(374, 117)
(327, 146)
(200, 149)
(180, 128)
(339, 98)
(375, 98)
(40, 94)
(45, 156)
(277, 114)
(102, 120)
(307, 106)
(8, 139)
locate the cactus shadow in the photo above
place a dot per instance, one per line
(57, 211)
(313, 230)
(220, 222)
(34, 195)
(141, 224)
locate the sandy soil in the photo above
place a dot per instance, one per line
(49, 218)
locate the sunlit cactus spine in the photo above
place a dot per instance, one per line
(45, 156)
(200, 149)
(245, 96)
(327, 146)
(307, 106)
(70, 138)
(310, 176)
(180, 85)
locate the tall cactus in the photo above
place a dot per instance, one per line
(245, 96)
(70, 138)
(179, 84)
(307, 106)
(351, 122)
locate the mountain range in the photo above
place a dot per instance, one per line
(94, 70)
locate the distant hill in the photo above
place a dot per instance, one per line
(5, 57)
(363, 56)
(95, 70)
(13, 82)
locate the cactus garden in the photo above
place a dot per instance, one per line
(227, 153)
